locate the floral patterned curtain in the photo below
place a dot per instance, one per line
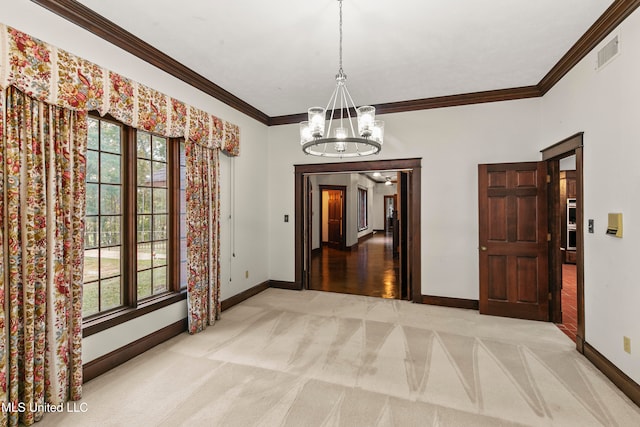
(203, 231)
(42, 186)
(58, 77)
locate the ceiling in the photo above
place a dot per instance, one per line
(281, 56)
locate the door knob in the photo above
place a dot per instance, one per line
(483, 248)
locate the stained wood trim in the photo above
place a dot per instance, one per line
(243, 296)
(107, 30)
(365, 237)
(280, 284)
(122, 315)
(470, 304)
(567, 147)
(608, 21)
(119, 356)
(412, 165)
(580, 334)
(96, 367)
(611, 371)
(563, 148)
(431, 103)
(555, 217)
(414, 272)
(358, 166)
(84, 17)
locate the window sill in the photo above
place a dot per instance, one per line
(124, 314)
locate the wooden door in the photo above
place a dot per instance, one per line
(514, 276)
(334, 220)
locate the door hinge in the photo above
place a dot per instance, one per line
(548, 237)
(548, 179)
(549, 296)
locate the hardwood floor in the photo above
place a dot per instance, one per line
(371, 270)
(569, 323)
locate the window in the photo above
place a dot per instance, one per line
(135, 238)
(152, 212)
(103, 230)
(362, 209)
(183, 216)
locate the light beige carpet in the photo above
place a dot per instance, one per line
(288, 358)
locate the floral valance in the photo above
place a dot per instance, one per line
(60, 78)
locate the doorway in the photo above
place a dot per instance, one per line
(410, 170)
(333, 216)
(566, 225)
(521, 237)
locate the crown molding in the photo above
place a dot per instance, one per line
(608, 21)
(89, 20)
(84, 17)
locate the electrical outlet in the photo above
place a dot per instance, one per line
(627, 344)
(246, 274)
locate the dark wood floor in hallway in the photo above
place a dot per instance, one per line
(370, 270)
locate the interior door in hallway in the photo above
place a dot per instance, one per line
(334, 214)
(514, 276)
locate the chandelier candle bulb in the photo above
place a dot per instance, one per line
(316, 121)
(378, 131)
(305, 132)
(341, 135)
(366, 117)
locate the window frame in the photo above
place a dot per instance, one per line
(131, 308)
(363, 208)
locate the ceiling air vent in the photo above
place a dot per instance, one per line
(608, 52)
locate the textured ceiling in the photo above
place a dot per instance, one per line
(281, 56)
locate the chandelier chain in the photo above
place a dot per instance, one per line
(340, 72)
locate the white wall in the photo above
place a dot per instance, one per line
(605, 104)
(250, 237)
(451, 143)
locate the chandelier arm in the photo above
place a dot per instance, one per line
(340, 68)
(351, 99)
(353, 132)
(331, 99)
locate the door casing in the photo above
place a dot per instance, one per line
(302, 232)
(552, 155)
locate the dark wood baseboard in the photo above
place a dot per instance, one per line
(379, 231)
(470, 304)
(102, 364)
(365, 237)
(280, 284)
(117, 357)
(611, 371)
(316, 251)
(244, 295)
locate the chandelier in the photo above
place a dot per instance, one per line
(316, 135)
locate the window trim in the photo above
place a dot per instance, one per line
(132, 308)
(365, 191)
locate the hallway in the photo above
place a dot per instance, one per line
(369, 270)
(569, 323)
